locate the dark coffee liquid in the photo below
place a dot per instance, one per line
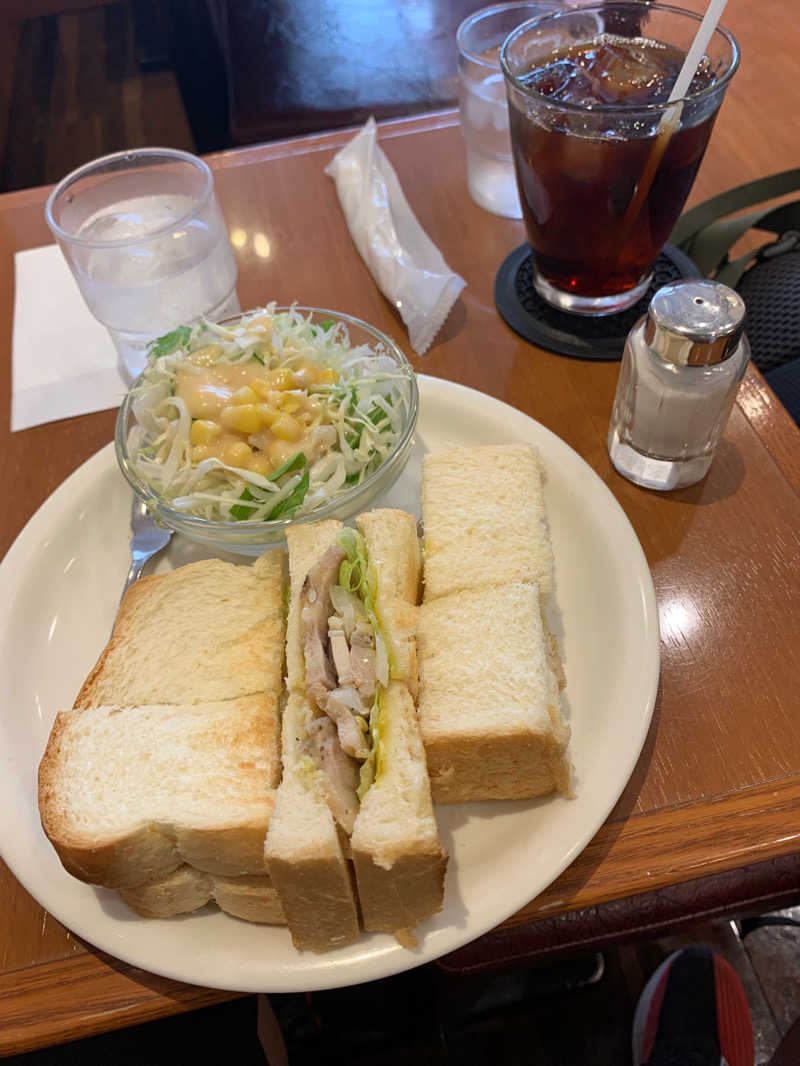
(578, 173)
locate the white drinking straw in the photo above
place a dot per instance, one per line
(672, 114)
(705, 32)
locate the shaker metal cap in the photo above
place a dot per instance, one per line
(694, 322)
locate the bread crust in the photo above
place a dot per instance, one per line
(396, 900)
(516, 765)
(253, 899)
(317, 900)
(236, 740)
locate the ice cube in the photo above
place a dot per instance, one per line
(626, 71)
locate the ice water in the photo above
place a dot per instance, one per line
(163, 275)
(484, 123)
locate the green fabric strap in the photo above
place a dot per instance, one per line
(778, 220)
(706, 235)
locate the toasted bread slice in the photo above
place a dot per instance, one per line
(485, 521)
(303, 849)
(489, 703)
(128, 794)
(252, 898)
(205, 632)
(399, 861)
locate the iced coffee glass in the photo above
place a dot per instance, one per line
(603, 163)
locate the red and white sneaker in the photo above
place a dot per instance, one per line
(693, 1012)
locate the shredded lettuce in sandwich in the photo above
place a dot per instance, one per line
(358, 576)
(269, 417)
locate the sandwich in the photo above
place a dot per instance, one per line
(490, 669)
(353, 830)
(484, 518)
(160, 781)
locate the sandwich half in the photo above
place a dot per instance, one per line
(354, 778)
(129, 794)
(485, 520)
(489, 702)
(490, 668)
(304, 849)
(170, 759)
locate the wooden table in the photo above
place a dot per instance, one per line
(718, 784)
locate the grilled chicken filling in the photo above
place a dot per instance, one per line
(339, 771)
(339, 646)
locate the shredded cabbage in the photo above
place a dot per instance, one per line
(360, 417)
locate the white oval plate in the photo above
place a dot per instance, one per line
(61, 581)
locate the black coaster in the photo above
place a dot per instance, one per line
(581, 336)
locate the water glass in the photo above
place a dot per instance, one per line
(145, 238)
(482, 103)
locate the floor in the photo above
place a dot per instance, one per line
(577, 1013)
(87, 83)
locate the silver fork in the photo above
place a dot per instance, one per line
(147, 539)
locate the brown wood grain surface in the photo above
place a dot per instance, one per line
(65, 1000)
(718, 782)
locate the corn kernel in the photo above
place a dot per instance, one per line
(201, 452)
(327, 376)
(244, 395)
(267, 413)
(260, 387)
(237, 453)
(291, 405)
(286, 427)
(280, 378)
(204, 431)
(280, 451)
(305, 376)
(259, 464)
(243, 418)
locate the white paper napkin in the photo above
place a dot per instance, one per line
(64, 363)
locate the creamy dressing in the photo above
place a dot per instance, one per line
(211, 392)
(206, 390)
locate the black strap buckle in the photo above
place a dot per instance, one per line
(787, 242)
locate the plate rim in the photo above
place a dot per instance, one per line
(324, 970)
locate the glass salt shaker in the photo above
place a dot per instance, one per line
(681, 367)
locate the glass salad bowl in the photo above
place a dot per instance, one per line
(235, 430)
